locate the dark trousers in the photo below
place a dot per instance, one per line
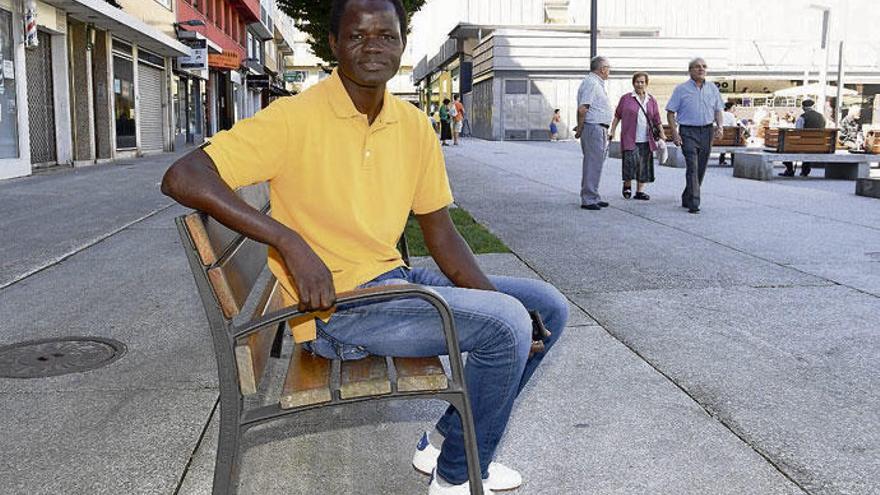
(696, 145)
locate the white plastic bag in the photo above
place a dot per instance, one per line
(662, 152)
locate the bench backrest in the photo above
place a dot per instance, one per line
(872, 141)
(733, 136)
(771, 137)
(232, 264)
(807, 141)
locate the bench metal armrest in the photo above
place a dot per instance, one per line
(368, 295)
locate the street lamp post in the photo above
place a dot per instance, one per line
(823, 72)
(594, 32)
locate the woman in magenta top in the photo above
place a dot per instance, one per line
(637, 113)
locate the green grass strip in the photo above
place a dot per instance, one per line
(478, 238)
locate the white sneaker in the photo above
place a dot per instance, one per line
(463, 489)
(501, 477)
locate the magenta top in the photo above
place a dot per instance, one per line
(628, 110)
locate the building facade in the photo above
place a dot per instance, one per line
(88, 82)
(515, 61)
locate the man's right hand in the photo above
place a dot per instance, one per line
(676, 138)
(311, 277)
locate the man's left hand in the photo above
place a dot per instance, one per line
(719, 132)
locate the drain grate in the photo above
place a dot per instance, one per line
(58, 356)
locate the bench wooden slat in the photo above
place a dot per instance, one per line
(252, 352)
(233, 279)
(364, 377)
(211, 237)
(307, 381)
(419, 374)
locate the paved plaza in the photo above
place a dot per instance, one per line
(732, 352)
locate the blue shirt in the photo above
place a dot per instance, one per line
(592, 93)
(693, 105)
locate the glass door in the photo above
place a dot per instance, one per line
(123, 92)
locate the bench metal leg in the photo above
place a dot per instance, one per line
(226, 466)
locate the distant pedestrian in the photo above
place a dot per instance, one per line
(554, 125)
(729, 119)
(850, 127)
(457, 118)
(593, 120)
(640, 129)
(445, 123)
(810, 119)
(691, 110)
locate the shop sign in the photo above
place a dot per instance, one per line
(259, 81)
(295, 76)
(198, 58)
(225, 60)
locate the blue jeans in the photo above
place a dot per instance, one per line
(493, 327)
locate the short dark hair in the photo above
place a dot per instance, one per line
(807, 103)
(728, 105)
(338, 9)
(446, 101)
(640, 74)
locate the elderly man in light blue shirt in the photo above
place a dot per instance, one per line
(594, 115)
(693, 109)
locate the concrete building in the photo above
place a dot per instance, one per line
(515, 61)
(92, 88)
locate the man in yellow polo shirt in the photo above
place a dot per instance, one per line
(346, 162)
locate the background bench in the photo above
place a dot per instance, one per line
(247, 320)
(814, 141)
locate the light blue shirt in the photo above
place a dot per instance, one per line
(592, 92)
(693, 105)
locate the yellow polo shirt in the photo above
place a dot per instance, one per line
(345, 186)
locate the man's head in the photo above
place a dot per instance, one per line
(368, 37)
(456, 97)
(600, 66)
(697, 69)
(807, 104)
(729, 106)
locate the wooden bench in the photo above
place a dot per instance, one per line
(228, 269)
(733, 136)
(872, 141)
(815, 141)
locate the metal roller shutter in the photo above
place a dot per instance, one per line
(41, 104)
(150, 89)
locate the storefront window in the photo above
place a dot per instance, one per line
(123, 92)
(8, 104)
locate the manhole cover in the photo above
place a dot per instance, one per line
(53, 357)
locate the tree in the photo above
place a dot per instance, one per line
(313, 18)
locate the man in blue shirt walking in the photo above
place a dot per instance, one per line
(694, 108)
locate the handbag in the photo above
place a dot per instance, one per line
(655, 131)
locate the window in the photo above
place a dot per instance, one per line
(165, 3)
(9, 123)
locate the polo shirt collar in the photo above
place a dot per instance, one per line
(344, 108)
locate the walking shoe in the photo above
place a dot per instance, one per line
(603, 204)
(591, 207)
(642, 196)
(500, 478)
(693, 210)
(441, 487)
